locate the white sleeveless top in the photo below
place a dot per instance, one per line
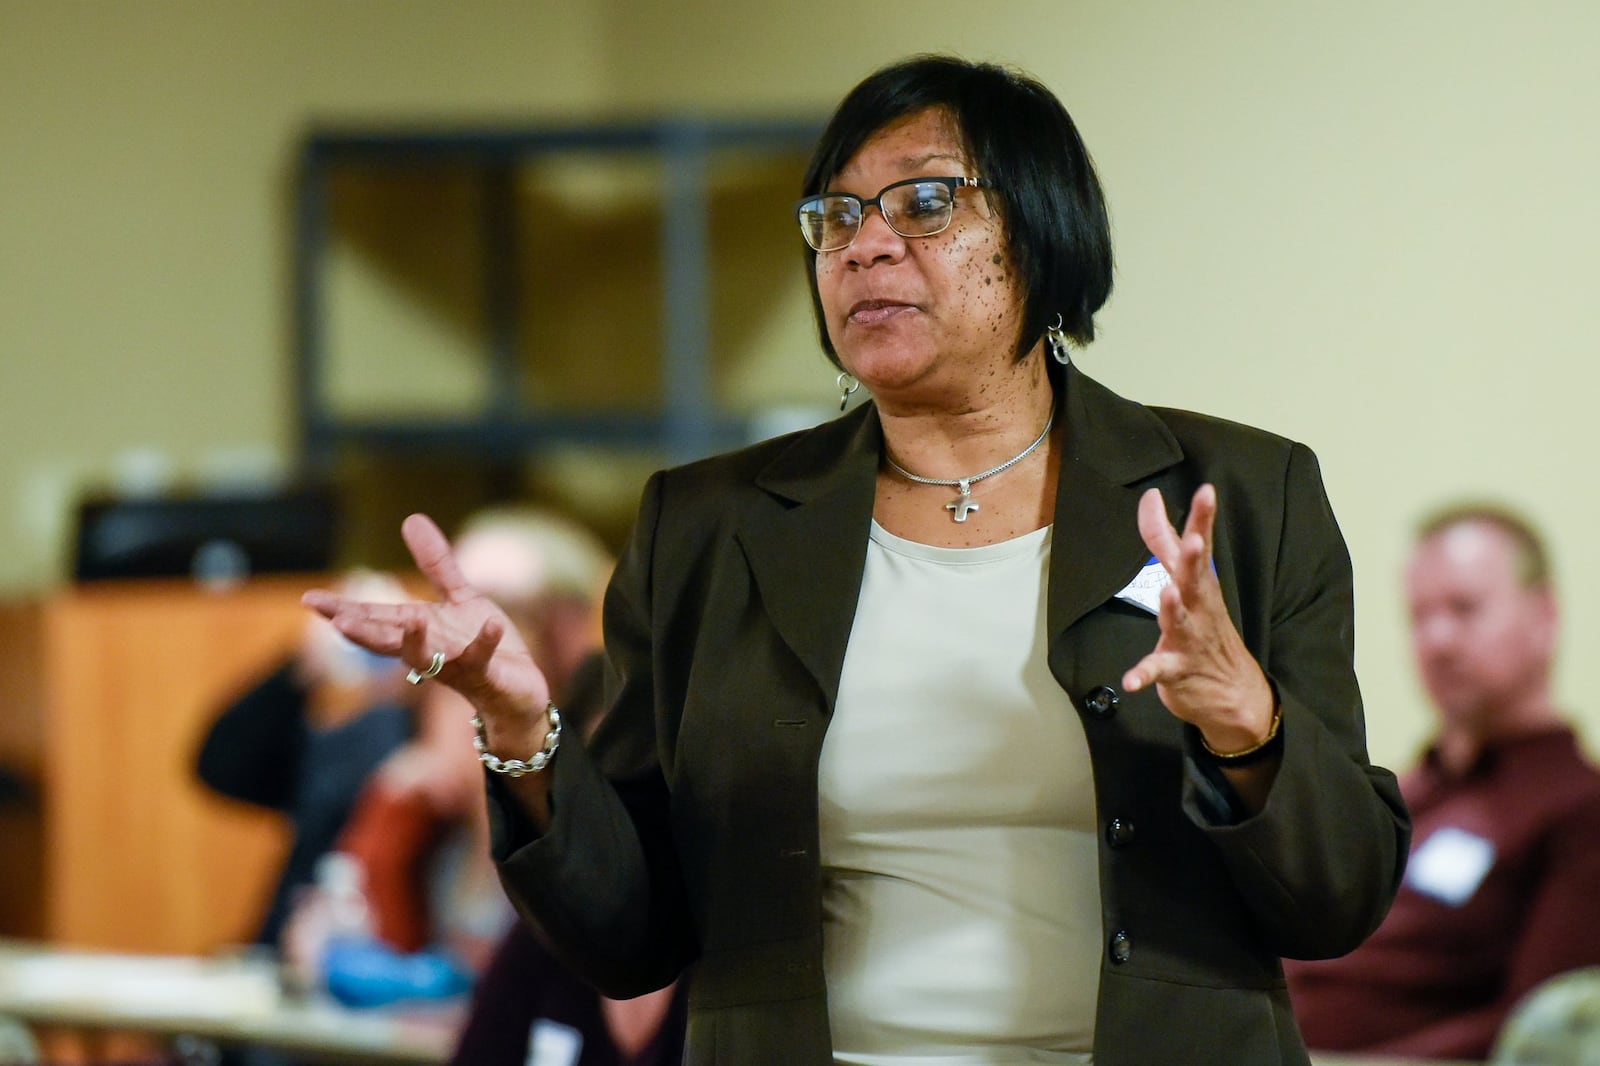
(961, 898)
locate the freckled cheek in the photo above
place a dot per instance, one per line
(978, 270)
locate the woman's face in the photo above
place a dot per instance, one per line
(920, 317)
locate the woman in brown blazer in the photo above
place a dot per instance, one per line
(999, 720)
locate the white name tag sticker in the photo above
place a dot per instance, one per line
(1450, 865)
(553, 1044)
(1145, 588)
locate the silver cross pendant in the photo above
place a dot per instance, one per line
(962, 505)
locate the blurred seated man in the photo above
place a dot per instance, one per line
(1500, 889)
(419, 832)
(305, 738)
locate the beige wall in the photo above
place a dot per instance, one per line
(1370, 226)
(146, 152)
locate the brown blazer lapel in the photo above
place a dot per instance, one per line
(1111, 445)
(808, 558)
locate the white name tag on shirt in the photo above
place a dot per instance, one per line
(1450, 865)
(553, 1044)
(1145, 588)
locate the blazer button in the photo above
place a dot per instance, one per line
(1121, 946)
(1120, 832)
(1101, 702)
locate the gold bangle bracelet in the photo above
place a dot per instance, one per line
(1255, 751)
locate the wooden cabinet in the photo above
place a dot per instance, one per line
(21, 741)
(139, 856)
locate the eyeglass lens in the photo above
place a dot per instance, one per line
(913, 209)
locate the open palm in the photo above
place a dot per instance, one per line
(485, 658)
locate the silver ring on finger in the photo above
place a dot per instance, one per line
(417, 677)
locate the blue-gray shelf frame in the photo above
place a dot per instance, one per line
(687, 424)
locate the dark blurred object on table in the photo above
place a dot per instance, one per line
(207, 536)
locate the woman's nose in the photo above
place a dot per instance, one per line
(876, 240)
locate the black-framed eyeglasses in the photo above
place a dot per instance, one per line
(915, 207)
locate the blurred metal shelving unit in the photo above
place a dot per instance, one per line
(685, 425)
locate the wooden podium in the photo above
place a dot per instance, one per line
(139, 855)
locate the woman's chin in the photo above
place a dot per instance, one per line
(883, 371)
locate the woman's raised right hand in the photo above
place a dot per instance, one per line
(485, 658)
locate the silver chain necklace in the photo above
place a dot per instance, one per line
(964, 504)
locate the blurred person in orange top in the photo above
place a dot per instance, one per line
(1499, 891)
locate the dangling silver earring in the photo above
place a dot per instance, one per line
(1057, 339)
(847, 387)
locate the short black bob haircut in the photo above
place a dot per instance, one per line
(1021, 141)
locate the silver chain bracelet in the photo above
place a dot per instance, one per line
(516, 767)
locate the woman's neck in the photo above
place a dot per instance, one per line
(963, 433)
(1002, 426)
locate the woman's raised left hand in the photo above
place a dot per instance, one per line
(1200, 666)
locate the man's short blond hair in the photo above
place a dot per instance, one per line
(1533, 561)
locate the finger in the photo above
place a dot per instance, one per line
(1153, 669)
(430, 548)
(1174, 613)
(1156, 531)
(480, 649)
(1202, 513)
(381, 638)
(1197, 532)
(417, 651)
(322, 601)
(1193, 557)
(414, 648)
(1194, 561)
(363, 612)
(377, 627)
